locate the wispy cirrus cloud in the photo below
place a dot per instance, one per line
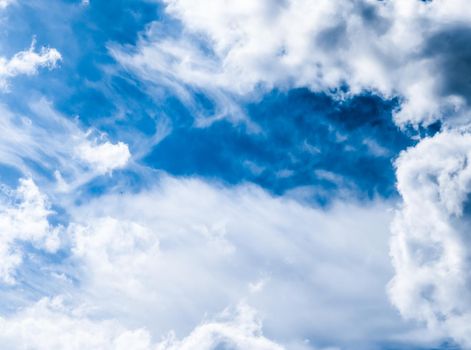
(47, 144)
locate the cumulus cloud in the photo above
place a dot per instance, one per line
(162, 264)
(24, 218)
(242, 331)
(51, 325)
(106, 156)
(394, 48)
(430, 245)
(116, 253)
(163, 259)
(27, 62)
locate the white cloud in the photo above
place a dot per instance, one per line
(415, 50)
(116, 254)
(24, 218)
(430, 245)
(242, 331)
(51, 325)
(5, 3)
(163, 259)
(241, 47)
(104, 157)
(162, 262)
(59, 145)
(27, 62)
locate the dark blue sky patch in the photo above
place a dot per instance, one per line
(306, 139)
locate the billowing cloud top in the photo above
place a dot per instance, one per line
(412, 49)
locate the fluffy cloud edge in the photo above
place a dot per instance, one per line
(27, 62)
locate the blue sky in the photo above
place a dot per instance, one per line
(215, 174)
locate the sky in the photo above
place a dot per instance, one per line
(233, 175)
